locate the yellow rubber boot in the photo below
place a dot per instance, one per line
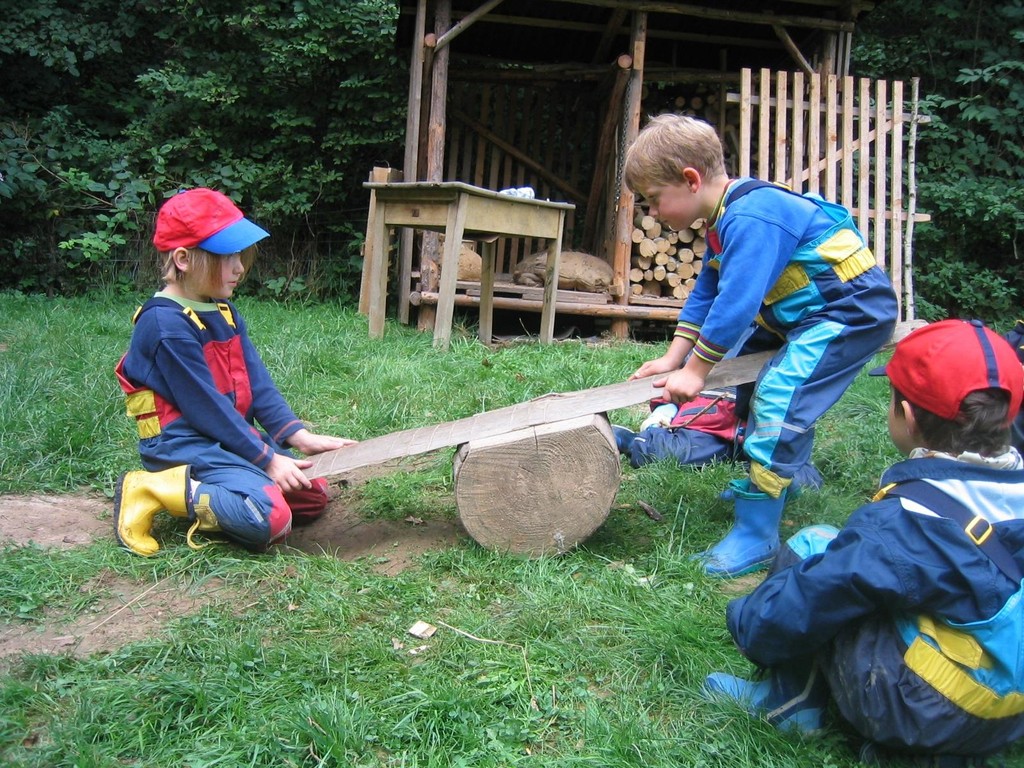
(139, 496)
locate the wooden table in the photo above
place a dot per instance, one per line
(462, 212)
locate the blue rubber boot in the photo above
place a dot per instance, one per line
(624, 438)
(791, 699)
(753, 540)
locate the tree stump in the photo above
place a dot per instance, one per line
(541, 490)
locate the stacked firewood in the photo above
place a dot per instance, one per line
(664, 263)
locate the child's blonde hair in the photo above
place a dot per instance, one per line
(668, 144)
(204, 266)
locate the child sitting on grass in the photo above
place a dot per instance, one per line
(912, 616)
(197, 387)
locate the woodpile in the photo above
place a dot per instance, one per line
(664, 263)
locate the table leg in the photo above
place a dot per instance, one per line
(487, 290)
(547, 317)
(378, 281)
(454, 229)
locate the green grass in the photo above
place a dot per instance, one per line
(590, 659)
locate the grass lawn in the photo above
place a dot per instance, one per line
(289, 659)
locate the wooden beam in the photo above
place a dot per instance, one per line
(573, 193)
(794, 51)
(543, 410)
(718, 14)
(622, 31)
(575, 307)
(608, 34)
(465, 23)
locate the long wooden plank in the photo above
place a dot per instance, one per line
(542, 410)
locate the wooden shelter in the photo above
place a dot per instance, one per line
(548, 94)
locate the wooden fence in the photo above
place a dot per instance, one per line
(851, 140)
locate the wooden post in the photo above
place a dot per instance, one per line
(436, 130)
(411, 160)
(623, 243)
(908, 249)
(605, 144)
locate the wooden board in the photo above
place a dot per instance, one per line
(542, 410)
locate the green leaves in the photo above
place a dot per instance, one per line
(283, 105)
(971, 155)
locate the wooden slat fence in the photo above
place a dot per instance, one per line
(844, 138)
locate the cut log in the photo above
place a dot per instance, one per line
(541, 490)
(650, 288)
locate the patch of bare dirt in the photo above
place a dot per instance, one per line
(127, 611)
(65, 521)
(54, 521)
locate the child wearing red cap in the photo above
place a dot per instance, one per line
(197, 388)
(911, 618)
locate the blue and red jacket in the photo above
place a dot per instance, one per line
(192, 377)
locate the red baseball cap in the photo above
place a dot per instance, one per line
(937, 366)
(206, 219)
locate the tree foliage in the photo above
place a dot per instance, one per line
(971, 155)
(110, 106)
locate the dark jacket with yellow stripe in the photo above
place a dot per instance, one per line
(942, 625)
(192, 378)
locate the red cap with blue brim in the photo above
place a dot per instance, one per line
(937, 366)
(207, 219)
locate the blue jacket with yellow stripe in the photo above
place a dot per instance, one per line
(943, 626)
(778, 257)
(192, 377)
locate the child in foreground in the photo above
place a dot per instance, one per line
(798, 267)
(911, 617)
(197, 387)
